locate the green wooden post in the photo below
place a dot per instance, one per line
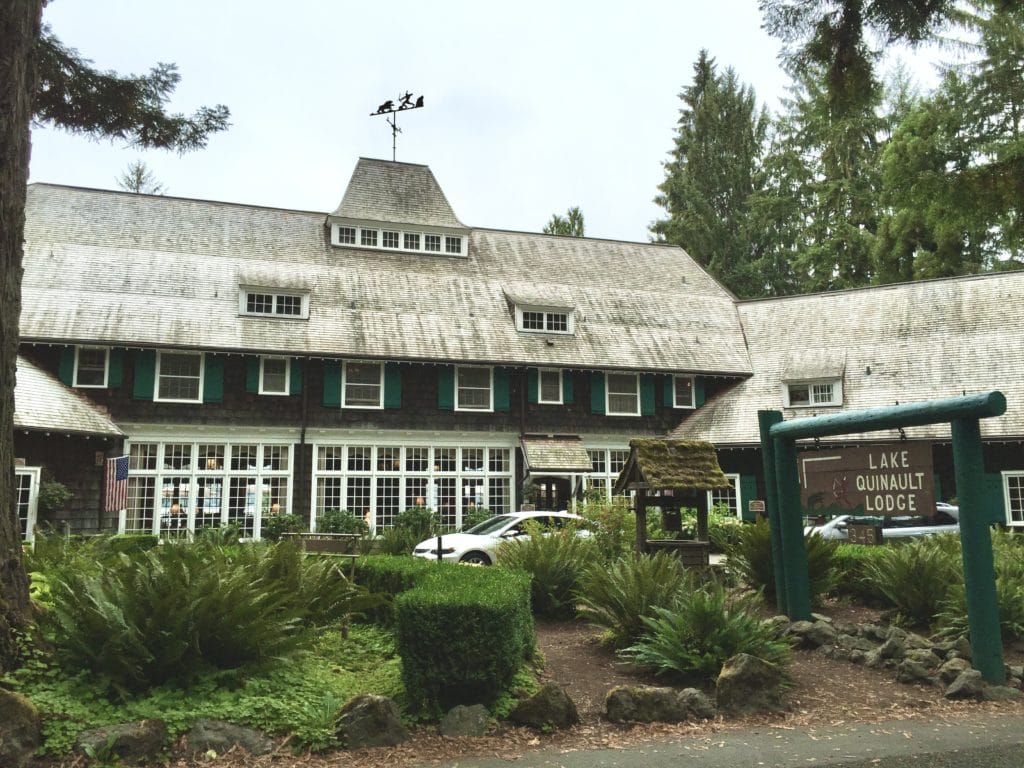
(765, 420)
(976, 549)
(794, 550)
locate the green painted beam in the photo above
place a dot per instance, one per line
(794, 548)
(765, 420)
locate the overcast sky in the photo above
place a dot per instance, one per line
(530, 107)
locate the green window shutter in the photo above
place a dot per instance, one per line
(501, 389)
(698, 391)
(115, 373)
(252, 375)
(567, 389)
(668, 390)
(213, 379)
(532, 384)
(332, 384)
(446, 388)
(748, 492)
(145, 374)
(646, 394)
(597, 392)
(392, 385)
(295, 377)
(66, 368)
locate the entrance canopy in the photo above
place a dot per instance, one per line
(555, 455)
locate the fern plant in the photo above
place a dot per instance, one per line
(703, 628)
(915, 577)
(555, 562)
(616, 597)
(750, 558)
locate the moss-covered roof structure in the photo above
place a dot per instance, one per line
(662, 464)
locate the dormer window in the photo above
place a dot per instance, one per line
(453, 245)
(539, 320)
(432, 243)
(347, 235)
(270, 303)
(808, 394)
(398, 239)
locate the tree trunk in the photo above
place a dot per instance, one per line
(19, 33)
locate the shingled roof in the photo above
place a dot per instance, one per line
(899, 343)
(42, 403)
(664, 464)
(137, 270)
(396, 193)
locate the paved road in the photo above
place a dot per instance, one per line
(994, 741)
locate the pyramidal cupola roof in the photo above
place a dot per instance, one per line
(396, 193)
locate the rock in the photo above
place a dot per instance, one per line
(893, 648)
(697, 703)
(370, 721)
(852, 642)
(847, 628)
(749, 684)
(644, 704)
(549, 707)
(858, 656)
(968, 685)
(837, 652)
(1014, 670)
(1000, 693)
(896, 632)
(913, 640)
(910, 671)
(962, 648)
(821, 617)
(875, 632)
(952, 669)
(778, 625)
(218, 736)
(465, 720)
(923, 656)
(20, 729)
(812, 634)
(140, 742)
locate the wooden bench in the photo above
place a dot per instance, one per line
(694, 554)
(338, 544)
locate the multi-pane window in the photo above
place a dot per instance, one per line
(684, 392)
(368, 237)
(91, 365)
(347, 235)
(452, 244)
(473, 389)
(606, 464)
(274, 304)
(729, 498)
(401, 240)
(179, 376)
(432, 243)
(807, 394)
(549, 386)
(544, 321)
(1013, 489)
(274, 375)
(623, 394)
(411, 241)
(389, 239)
(26, 492)
(362, 385)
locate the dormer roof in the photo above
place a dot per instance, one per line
(396, 193)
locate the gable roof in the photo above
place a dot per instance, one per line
(900, 343)
(664, 464)
(42, 403)
(165, 272)
(396, 193)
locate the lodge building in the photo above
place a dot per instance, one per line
(253, 361)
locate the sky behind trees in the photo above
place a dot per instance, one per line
(529, 109)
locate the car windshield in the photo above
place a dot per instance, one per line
(490, 525)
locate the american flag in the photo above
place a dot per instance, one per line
(115, 484)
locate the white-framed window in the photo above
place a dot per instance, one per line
(92, 367)
(274, 375)
(390, 239)
(398, 239)
(432, 243)
(1013, 495)
(179, 377)
(474, 389)
(544, 320)
(26, 490)
(728, 497)
(362, 385)
(684, 395)
(411, 241)
(549, 386)
(453, 244)
(809, 394)
(622, 394)
(368, 238)
(606, 464)
(262, 302)
(346, 235)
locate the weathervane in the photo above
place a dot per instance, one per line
(388, 108)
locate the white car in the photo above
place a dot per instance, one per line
(479, 544)
(945, 520)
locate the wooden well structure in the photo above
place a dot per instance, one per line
(672, 474)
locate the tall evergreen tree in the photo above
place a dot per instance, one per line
(139, 179)
(571, 225)
(42, 80)
(710, 176)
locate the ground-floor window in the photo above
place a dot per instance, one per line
(378, 482)
(26, 490)
(605, 466)
(177, 487)
(727, 498)
(1013, 490)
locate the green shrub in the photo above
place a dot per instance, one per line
(613, 527)
(389, 576)
(462, 634)
(555, 562)
(474, 516)
(704, 627)
(849, 563)
(616, 597)
(750, 558)
(273, 526)
(1008, 554)
(166, 614)
(410, 528)
(916, 576)
(341, 521)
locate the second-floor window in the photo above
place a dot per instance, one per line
(683, 392)
(274, 375)
(539, 320)
(274, 304)
(807, 394)
(473, 389)
(362, 385)
(549, 386)
(179, 377)
(623, 394)
(91, 366)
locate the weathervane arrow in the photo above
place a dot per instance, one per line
(389, 107)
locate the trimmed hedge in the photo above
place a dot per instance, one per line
(389, 575)
(462, 634)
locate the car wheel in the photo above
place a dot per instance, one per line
(475, 558)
